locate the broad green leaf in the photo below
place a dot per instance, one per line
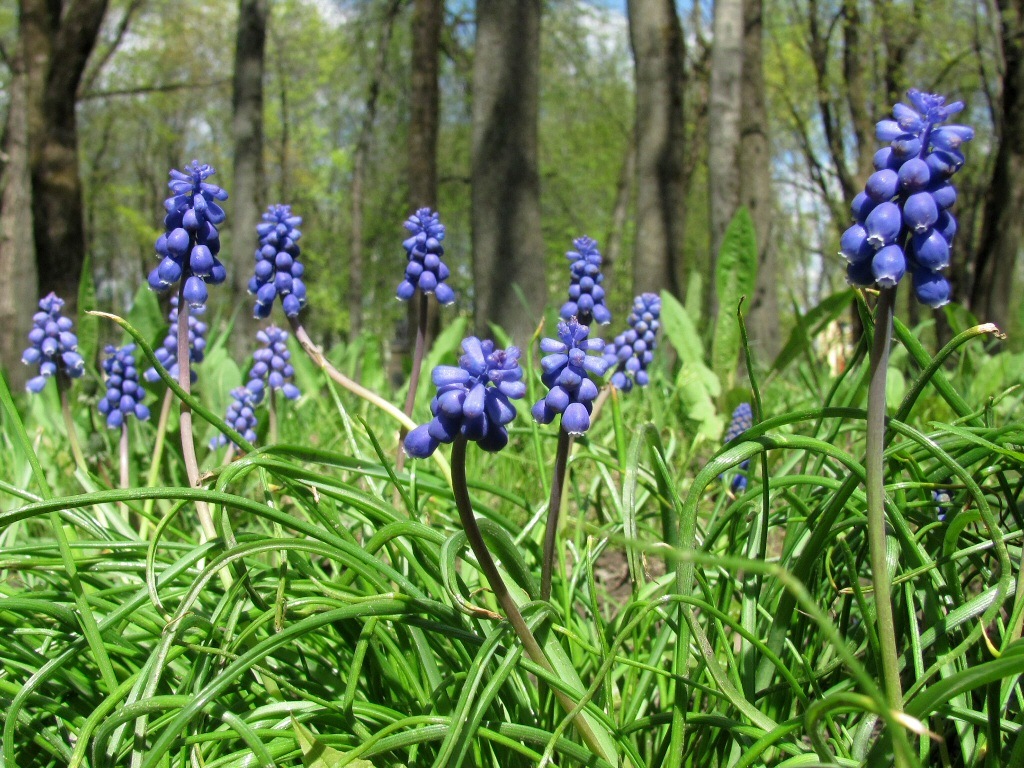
(218, 375)
(146, 316)
(307, 375)
(694, 301)
(88, 326)
(316, 754)
(810, 325)
(698, 385)
(735, 278)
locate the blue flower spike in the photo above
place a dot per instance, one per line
(567, 367)
(189, 246)
(473, 400)
(241, 416)
(278, 271)
(633, 350)
(586, 296)
(425, 270)
(271, 366)
(53, 345)
(902, 221)
(124, 394)
(167, 353)
(742, 419)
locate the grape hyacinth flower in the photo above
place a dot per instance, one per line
(742, 419)
(270, 365)
(278, 269)
(942, 501)
(124, 394)
(167, 353)
(902, 218)
(633, 350)
(425, 270)
(190, 243)
(473, 399)
(241, 416)
(567, 367)
(53, 345)
(586, 296)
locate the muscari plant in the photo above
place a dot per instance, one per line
(122, 399)
(902, 222)
(475, 402)
(272, 370)
(278, 271)
(742, 420)
(586, 295)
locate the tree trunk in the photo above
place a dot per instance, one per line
(1002, 229)
(248, 194)
(17, 251)
(724, 127)
(57, 38)
(508, 249)
(359, 161)
(658, 54)
(755, 168)
(424, 122)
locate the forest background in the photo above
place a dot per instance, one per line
(645, 125)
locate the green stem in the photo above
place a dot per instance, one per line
(272, 417)
(188, 447)
(460, 489)
(874, 470)
(154, 467)
(63, 385)
(414, 374)
(554, 508)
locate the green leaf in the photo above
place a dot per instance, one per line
(810, 325)
(218, 375)
(735, 278)
(316, 754)
(88, 325)
(307, 375)
(146, 316)
(698, 385)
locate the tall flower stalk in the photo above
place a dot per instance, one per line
(567, 367)
(188, 250)
(53, 346)
(902, 223)
(474, 403)
(425, 273)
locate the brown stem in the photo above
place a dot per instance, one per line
(554, 508)
(476, 542)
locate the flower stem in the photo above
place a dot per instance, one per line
(154, 467)
(414, 374)
(272, 417)
(504, 598)
(876, 497)
(188, 447)
(373, 398)
(63, 385)
(124, 474)
(554, 508)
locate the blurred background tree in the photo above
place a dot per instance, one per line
(357, 131)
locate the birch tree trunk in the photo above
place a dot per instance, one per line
(724, 128)
(754, 162)
(656, 38)
(508, 249)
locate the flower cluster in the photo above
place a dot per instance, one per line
(586, 296)
(473, 399)
(241, 416)
(278, 269)
(942, 501)
(190, 243)
(633, 350)
(167, 353)
(742, 419)
(567, 367)
(425, 269)
(54, 346)
(270, 365)
(124, 394)
(902, 218)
